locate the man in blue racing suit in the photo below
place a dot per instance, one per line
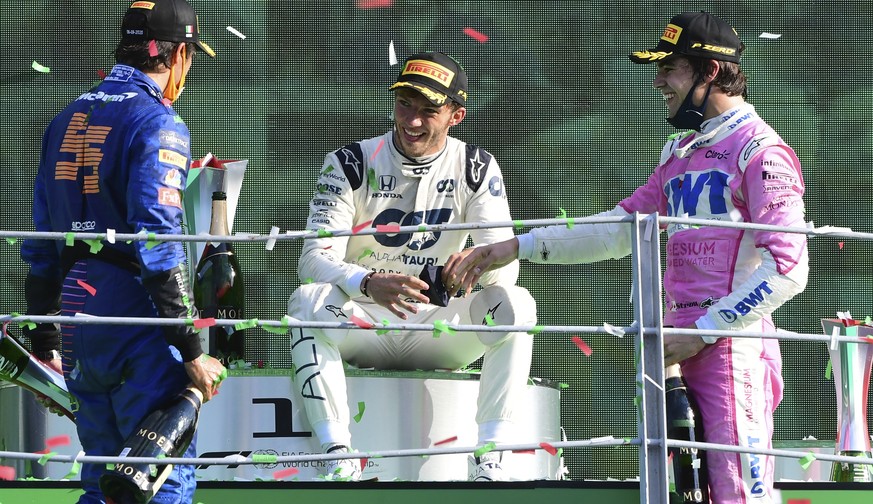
(116, 158)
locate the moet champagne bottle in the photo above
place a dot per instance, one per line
(219, 290)
(166, 432)
(683, 423)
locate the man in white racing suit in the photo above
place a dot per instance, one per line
(415, 174)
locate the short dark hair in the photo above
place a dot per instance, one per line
(135, 53)
(730, 78)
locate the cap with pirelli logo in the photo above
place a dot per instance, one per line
(168, 20)
(697, 34)
(436, 75)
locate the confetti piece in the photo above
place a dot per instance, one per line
(615, 331)
(84, 285)
(834, 333)
(374, 4)
(392, 56)
(388, 228)
(582, 346)
(324, 233)
(549, 448)
(383, 331)
(94, 246)
(45, 458)
(840, 245)
(110, 235)
(769, 36)
(536, 330)
(378, 148)
(68, 239)
(563, 385)
(476, 35)
(446, 441)
(278, 330)
(248, 324)
(152, 241)
(371, 177)
(525, 452)
(264, 458)
(517, 224)
(274, 231)
(61, 440)
(806, 461)
(204, 322)
(360, 415)
(563, 215)
(39, 68)
(153, 49)
(799, 501)
(484, 449)
(236, 32)
(828, 370)
(363, 324)
(11, 241)
(357, 229)
(7, 473)
(284, 473)
(441, 326)
(364, 254)
(489, 320)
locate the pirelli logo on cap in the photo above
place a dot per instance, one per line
(173, 158)
(142, 5)
(430, 70)
(671, 33)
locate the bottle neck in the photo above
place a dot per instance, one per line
(218, 226)
(672, 372)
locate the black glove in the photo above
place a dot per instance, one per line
(173, 299)
(436, 291)
(43, 296)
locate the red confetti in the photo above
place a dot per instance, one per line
(84, 285)
(582, 346)
(388, 228)
(153, 49)
(378, 148)
(364, 463)
(374, 4)
(357, 229)
(62, 440)
(446, 441)
(7, 473)
(363, 324)
(841, 245)
(476, 35)
(204, 322)
(549, 448)
(799, 501)
(284, 473)
(525, 452)
(101, 73)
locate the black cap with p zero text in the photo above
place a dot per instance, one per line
(697, 34)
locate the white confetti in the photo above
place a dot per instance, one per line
(110, 235)
(770, 36)
(236, 32)
(392, 56)
(615, 331)
(834, 334)
(274, 231)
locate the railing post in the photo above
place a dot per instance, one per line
(649, 352)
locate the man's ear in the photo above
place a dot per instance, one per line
(458, 115)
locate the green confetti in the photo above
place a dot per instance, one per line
(383, 331)
(308, 280)
(371, 178)
(806, 461)
(11, 241)
(868, 321)
(484, 449)
(189, 322)
(360, 414)
(563, 215)
(536, 330)
(110, 467)
(441, 326)
(489, 320)
(152, 241)
(45, 458)
(40, 68)
(422, 228)
(68, 239)
(329, 169)
(364, 254)
(324, 233)
(828, 370)
(247, 324)
(563, 385)
(262, 458)
(94, 245)
(517, 224)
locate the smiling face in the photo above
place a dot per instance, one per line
(420, 127)
(674, 80)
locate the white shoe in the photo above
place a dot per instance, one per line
(342, 469)
(486, 468)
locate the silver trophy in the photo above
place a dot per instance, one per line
(852, 364)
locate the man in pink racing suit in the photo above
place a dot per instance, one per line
(730, 166)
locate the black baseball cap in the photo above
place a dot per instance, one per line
(168, 20)
(695, 34)
(436, 75)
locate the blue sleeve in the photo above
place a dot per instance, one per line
(42, 255)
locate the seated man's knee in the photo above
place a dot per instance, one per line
(507, 305)
(321, 302)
